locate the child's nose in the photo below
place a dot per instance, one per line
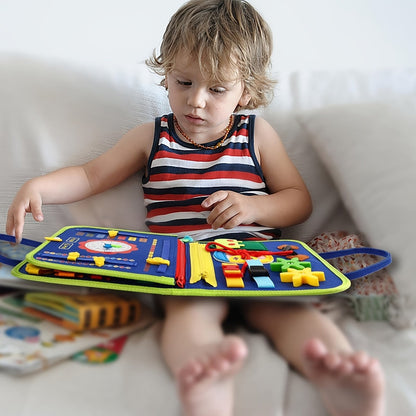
(197, 98)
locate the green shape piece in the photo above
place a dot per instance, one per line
(253, 245)
(282, 265)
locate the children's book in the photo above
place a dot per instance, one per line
(165, 264)
(83, 312)
(29, 343)
(104, 353)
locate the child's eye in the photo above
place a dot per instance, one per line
(218, 90)
(184, 83)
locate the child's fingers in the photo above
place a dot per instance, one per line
(34, 206)
(16, 218)
(15, 223)
(227, 219)
(214, 199)
(36, 211)
(10, 224)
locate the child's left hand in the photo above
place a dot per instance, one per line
(229, 209)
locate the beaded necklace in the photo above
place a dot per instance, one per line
(202, 146)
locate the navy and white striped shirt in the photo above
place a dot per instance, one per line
(180, 176)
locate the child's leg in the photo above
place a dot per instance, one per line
(351, 383)
(202, 359)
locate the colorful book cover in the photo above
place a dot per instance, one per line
(29, 344)
(83, 312)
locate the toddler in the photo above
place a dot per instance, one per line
(210, 171)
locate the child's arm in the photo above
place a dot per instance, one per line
(74, 183)
(289, 201)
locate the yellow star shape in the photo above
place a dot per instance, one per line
(304, 276)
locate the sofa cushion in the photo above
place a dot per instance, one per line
(54, 114)
(370, 152)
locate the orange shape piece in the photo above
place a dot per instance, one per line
(301, 257)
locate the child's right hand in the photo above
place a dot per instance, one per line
(26, 200)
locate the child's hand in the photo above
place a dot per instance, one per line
(229, 209)
(26, 200)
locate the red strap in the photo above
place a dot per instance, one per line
(243, 253)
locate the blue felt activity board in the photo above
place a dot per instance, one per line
(159, 263)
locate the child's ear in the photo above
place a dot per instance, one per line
(164, 83)
(244, 99)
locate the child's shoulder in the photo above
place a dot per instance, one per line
(264, 131)
(139, 139)
(144, 129)
(259, 120)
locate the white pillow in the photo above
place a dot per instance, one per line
(329, 213)
(370, 151)
(55, 114)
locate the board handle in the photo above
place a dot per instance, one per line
(11, 239)
(381, 264)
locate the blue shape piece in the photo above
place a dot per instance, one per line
(165, 255)
(263, 282)
(220, 256)
(259, 274)
(254, 262)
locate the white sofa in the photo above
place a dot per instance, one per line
(351, 135)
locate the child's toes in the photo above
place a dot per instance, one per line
(361, 361)
(332, 361)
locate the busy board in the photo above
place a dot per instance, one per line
(165, 264)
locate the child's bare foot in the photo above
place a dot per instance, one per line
(350, 384)
(206, 381)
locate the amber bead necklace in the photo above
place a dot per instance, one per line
(202, 146)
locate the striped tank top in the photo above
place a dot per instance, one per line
(180, 176)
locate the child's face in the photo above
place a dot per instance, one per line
(202, 109)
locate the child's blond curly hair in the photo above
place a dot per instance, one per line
(225, 36)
